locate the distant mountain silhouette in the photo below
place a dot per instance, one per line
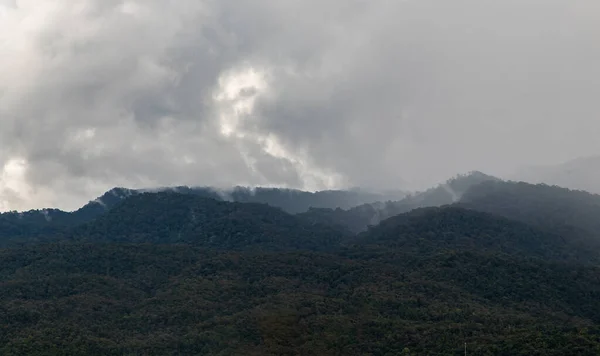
(581, 173)
(357, 219)
(291, 200)
(36, 224)
(571, 213)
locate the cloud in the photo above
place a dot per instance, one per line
(304, 94)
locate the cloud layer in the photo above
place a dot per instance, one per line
(307, 94)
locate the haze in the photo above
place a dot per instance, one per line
(305, 94)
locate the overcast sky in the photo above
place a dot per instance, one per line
(299, 93)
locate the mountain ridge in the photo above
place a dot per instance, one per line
(170, 273)
(171, 217)
(358, 218)
(34, 224)
(582, 173)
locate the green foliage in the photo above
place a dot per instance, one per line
(180, 274)
(116, 299)
(428, 231)
(38, 225)
(297, 201)
(573, 214)
(180, 218)
(359, 218)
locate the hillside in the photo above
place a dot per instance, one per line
(358, 218)
(291, 200)
(37, 225)
(511, 269)
(115, 299)
(581, 173)
(430, 231)
(563, 211)
(169, 217)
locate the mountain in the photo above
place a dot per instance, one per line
(581, 174)
(170, 299)
(430, 231)
(36, 225)
(291, 200)
(32, 226)
(510, 269)
(560, 210)
(358, 218)
(169, 217)
(297, 201)
(101, 205)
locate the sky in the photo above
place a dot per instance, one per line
(380, 94)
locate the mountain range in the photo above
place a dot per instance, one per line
(49, 222)
(501, 267)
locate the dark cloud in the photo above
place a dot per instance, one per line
(307, 94)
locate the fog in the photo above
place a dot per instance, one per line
(303, 94)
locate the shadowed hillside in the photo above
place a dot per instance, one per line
(510, 270)
(582, 173)
(573, 214)
(357, 219)
(39, 225)
(169, 217)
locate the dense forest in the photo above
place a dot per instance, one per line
(506, 268)
(39, 224)
(359, 218)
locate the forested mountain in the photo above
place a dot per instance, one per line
(568, 212)
(511, 269)
(156, 299)
(358, 218)
(291, 200)
(169, 217)
(581, 173)
(41, 223)
(428, 231)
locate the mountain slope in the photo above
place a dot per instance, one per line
(169, 217)
(358, 218)
(169, 274)
(430, 231)
(32, 226)
(291, 200)
(297, 201)
(37, 225)
(581, 174)
(115, 299)
(573, 214)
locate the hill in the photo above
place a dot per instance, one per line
(567, 212)
(511, 269)
(358, 218)
(428, 231)
(37, 225)
(154, 299)
(169, 217)
(581, 173)
(291, 200)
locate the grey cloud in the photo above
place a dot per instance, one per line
(383, 93)
(461, 85)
